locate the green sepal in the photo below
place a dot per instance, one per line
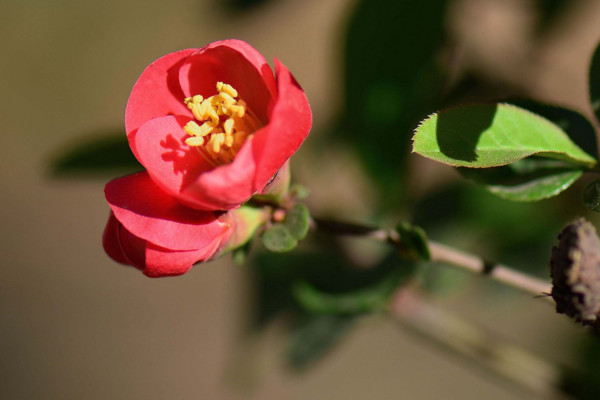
(297, 221)
(279, 239)
(246, 220)
(277, 189)
(414, 241)
(298, 191)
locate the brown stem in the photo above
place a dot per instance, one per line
(444, 254)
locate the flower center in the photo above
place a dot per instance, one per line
(224, 124)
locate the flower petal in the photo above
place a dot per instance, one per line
(110, 240)
(234, 62)
(156, 261)
(157, 92)
(182, 172)
(160, 147)
(151, 214)
(133, 247)
(161, 262)
(224, 187)
(290, 124)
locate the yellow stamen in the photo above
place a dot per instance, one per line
(228, 140)
(225, 88)
(193, 129)
(226, 123)
(216, 141)
(194, 141)
(228, 126)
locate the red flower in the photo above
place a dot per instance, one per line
(150, 230)
(212, 126)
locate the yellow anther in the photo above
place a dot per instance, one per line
(203, 110)
(194, 141)
(228, 101)
(222, 124)
(216, 141)
(228, 126)
(212, 114)
(193, 129)
(191, 102)
(225, 88)
(228, 140)
(196, 110)
(238, 111)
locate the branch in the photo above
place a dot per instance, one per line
(443, 254)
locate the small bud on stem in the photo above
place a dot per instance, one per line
(575, 270)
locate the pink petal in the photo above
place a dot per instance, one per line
(151, 214)
(133, 248)
(234, 62)
(156, 261)
(157, 92)
(290, 124)
(160, 147)
(161, 262)
(184, 174)
(110, 240)
(224, 187)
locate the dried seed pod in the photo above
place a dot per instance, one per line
(575, 270)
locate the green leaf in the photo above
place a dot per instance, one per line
(594, 82)
(531, 179)
(491, 135)
(591, 196)
(315, 336)
(367, 299)
(279, 239)
(99, 155)
(579, 128)
(414, 240)
(297, 221)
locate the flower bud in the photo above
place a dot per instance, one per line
(246, 221)
(277, 189)
(575, 270)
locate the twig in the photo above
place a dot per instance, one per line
(444, 254)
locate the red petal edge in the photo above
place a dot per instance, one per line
(234, 62)
(151, 214)
(157, 92)
(154, 261)
(290, 124)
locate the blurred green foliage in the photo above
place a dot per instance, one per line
(322, 292)
(392, 79)
(105, 153)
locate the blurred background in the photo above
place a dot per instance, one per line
(73, 324)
